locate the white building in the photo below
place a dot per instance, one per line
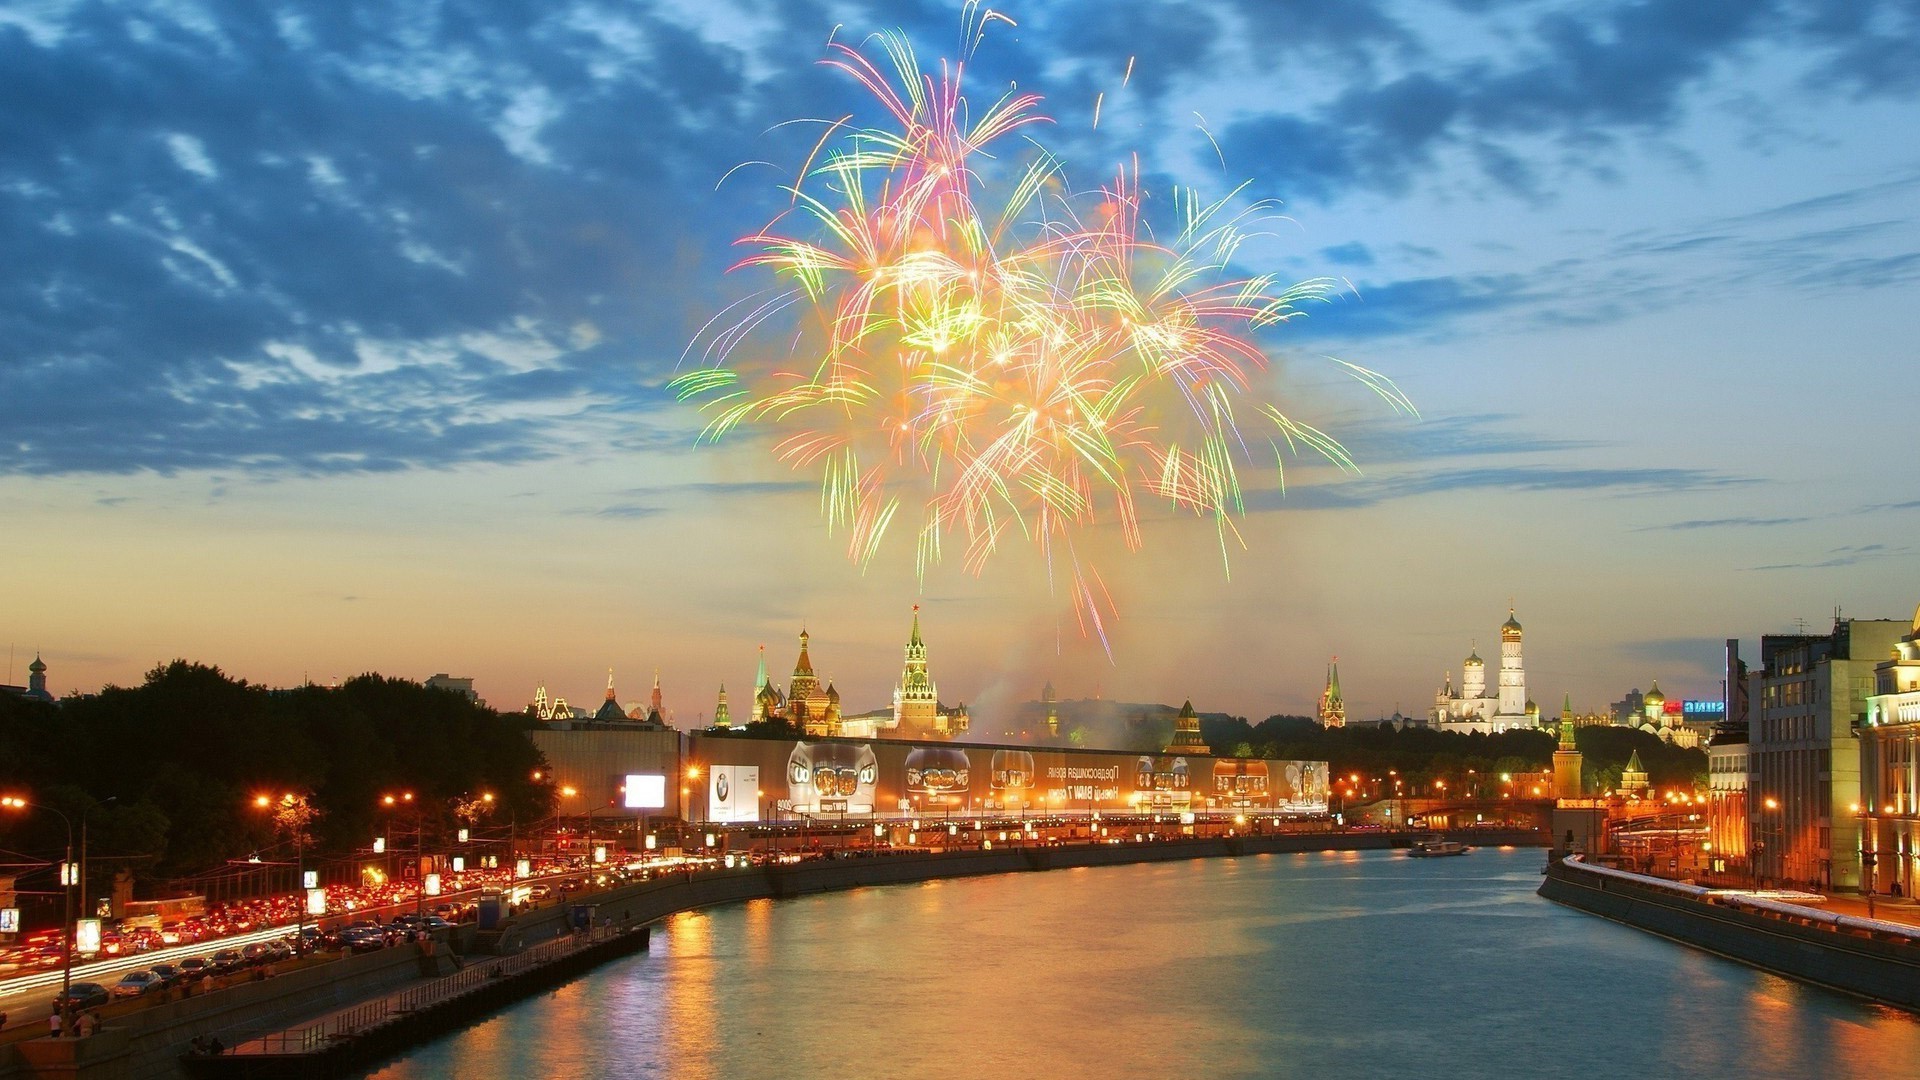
(1473, 709)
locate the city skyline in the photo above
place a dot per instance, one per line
(340, 344)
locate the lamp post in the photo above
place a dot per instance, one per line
(291, 814)
(420, 884)
(67, 873)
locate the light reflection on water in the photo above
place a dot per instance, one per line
(1320, 965)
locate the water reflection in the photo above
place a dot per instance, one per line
(1323, 964)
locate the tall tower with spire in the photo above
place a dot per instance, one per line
(610, 708)
(916, 705)
(1051, 700)
(1567, 759)
(1333, 709)
(1513, 680)
(722, 718)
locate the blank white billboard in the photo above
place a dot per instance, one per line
(646, 791)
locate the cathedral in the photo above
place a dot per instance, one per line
(1473, 709)
(805, 705)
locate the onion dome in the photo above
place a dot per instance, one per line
(1654, 696)
(1510, 630)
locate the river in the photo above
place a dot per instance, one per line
(1323, 965)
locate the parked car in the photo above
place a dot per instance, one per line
(82, 995)
(136, 983)
(170, 974)
(227, 960)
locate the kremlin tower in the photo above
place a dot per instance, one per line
(1333, 709)
(1186, 733)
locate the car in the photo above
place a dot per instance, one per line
(195, 967)
(435, 922)
(227, 960)
(136, 983)
(169, 973)
(82, 995)
(541, 891)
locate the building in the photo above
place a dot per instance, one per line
(1728, 767)
(1186, 733)
(806, 705)
(1051, 699)
(36, 688)
(1333, 710)
(609, 711)
(1727, 809)
(1659, 717)
(1633, 778)
(1890, 770)
(917, 712)
(722, 716)
(1475, 710)
(1803, 782)
(1567, 760)
(456, 684)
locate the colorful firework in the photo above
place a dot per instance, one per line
(982, 347)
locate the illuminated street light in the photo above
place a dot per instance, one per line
(13, 802)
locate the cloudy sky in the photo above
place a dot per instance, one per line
(334, 337)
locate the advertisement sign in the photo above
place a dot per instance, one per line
(433, 885)
(865, 777)
(9, 920)
(733, 793)
(310, 879)
(646, 791)
(86, 936)
(459, 864)
(316, 901)
(1702, 710)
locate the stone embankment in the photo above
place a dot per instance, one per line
(1872, 959)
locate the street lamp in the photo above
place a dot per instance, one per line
(66, 893)
(420, 884)
(291, 814)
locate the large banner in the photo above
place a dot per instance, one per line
(855, 777)
(733, 793)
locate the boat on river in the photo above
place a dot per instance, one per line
(1433, 849)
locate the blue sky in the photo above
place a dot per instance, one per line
(336, 337)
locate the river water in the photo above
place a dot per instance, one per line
(1325, 965)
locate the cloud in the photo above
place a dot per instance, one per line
(1721, 523)
(1842, 556)
(1371, 491)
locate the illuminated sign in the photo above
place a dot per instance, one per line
(316, 901)
(379, 845)
(646, 791)
(310, 879)
(858, 777)
(459, 864)
(599, 853)
(69, 873)
(86, 936)
(1704, 708)
(1670, 708)
(523, 868)
(733, 793)
(433, 885)
(9, 920)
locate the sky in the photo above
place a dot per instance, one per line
(335, 337)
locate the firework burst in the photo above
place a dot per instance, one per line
(987, 353)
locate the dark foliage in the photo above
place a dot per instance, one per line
(184, 754)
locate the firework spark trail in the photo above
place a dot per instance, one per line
(1035, 364)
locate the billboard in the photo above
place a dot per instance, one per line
(646, 791)
(733, 793)
(897, 778)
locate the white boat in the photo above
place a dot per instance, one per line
(1433, 849)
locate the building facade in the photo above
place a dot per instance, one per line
(1889, 772)
(1473, 709)
(1803, 784)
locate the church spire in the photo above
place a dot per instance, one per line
(1333, 708)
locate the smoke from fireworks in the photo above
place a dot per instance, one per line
(989, 353)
